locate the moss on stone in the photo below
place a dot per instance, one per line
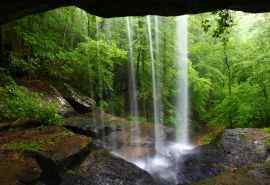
(55, 143)
(37, 141)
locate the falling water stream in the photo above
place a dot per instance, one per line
(159, 131)
(156, 101)
(182, 108)
(135, 138)
(163, 162)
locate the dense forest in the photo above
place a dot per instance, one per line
(228, 67)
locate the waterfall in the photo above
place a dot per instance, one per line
(159, 67)
(163, 161)
(157, 38)
(135, 138)
(156, 99)
(182, 107)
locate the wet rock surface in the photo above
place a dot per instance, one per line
(237, 148)
(102, 168)
(131, 144)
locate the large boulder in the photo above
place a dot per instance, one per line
(102, 168)
(65, 108)
(82, 104)
(245, 146)
(235, 149)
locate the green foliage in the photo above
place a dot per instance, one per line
(97, 61)
(200, 91)
(229, 71)
(223, 23)
(17, 102)
(133, 119)
(238, 71)
(5, 77)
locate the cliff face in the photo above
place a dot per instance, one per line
(10, 10)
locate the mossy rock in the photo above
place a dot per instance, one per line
(54, 143)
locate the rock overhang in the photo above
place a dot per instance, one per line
(13, 9)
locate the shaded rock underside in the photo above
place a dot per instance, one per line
(10, 10)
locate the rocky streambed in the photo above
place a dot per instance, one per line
(76, 154)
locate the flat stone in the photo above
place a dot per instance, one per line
(53, 143)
